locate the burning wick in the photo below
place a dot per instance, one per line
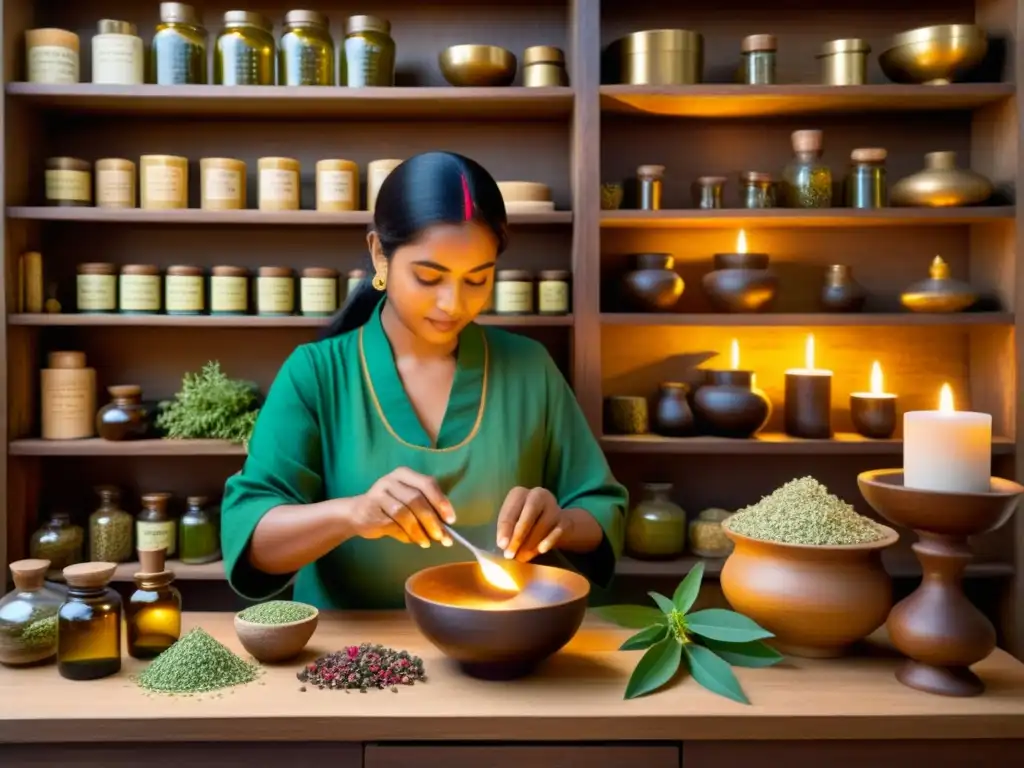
(497, 576)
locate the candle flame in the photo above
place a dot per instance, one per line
(876, 379)
(735, 354)
(741, 242)
(809, 353)
(946, 399)
(497, 576)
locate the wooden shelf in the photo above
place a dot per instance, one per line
(206, 572)
(293, 103)
(71, 319)
(804, 319)
(97, 448)
(789, 217)
(769, 443)
(248, 217)
(796, 99)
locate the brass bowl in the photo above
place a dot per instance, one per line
(487, 633)
(271, 643)
(477, 65)
(934, 55)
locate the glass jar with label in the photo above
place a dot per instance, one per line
(51, 56)
(96, 288)
(124, 417)
(222, 184)
(244, 51)
(337, 185)
(139, 287)
(28, 616)
(89, 624)
(60, 542)
(163, 181)
(68, 182)
(318, 291)
(553, 291)
(154, 526)
(354, 278)
(184, 290)
(198, 536)
(513, 292)
(275, 291)
(279, 184)
(376, 172)
(110, 528)
(118, 57)
(179, 47)
(369, 58)
(229, 291)
(115, 183)
(306, 50)
(152, 615)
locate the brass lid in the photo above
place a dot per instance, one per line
(514, 275)
(67, 164)
(554, 274)
(124, 391)
(847, 45)
(185, 270)
(275, 272)
(66, 360)
(96, 268)
(660, 40)
(806, 141)
(89, 575)
(548, 54)
(178, 13)
(228, 271)
(938, 32)
(29, 574)
(753, 43)
(140, 269)
(650, 170)
(116, 27)
(247, 19)
(319, 272)
(357, 24)
(314, 18)
(869, 155)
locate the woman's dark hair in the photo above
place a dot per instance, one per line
(427, 189)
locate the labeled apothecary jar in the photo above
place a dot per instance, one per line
(229, 291)
(369, 59)
(163, 182)
(139, 288)
(757, 190)
(554, 291)
(513, 292)
(96, 288)
(118, 56)
(60, 541)
(759, 55)
(244, 51)
(124, 417)
(866, 185)
(279, 184)
(68, 182)
(318, 291)
(198, 536)
(649, 182)
(51, 56)
(110, 528)
(115, 183)
(28, 616)
(306, 50)
(376, 172)
(337, 186)
(179, 47)
(222, 184)
(544, 67)
(808, 180)
(275, 291)
(184, 290)
(154, 526)
(89, 624)
(67, 395)
(656, 526)
(152, 615)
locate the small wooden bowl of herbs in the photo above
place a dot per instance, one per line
(277, 630)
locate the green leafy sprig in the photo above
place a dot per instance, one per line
(707, 643)
(210, 406)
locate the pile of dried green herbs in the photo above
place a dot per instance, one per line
(804, 512)
(277, 612)
(211, 406)
(197, 663)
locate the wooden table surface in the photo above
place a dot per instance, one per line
(577, 696)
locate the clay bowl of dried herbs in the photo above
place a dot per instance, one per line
(277, 630)
(492, 634)
(808, 568)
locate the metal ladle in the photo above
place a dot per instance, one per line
(492, 565)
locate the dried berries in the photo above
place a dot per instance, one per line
(363, 667)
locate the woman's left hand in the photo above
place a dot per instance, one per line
(530, 523)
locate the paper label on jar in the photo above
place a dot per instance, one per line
(377, 176)
(52, 64)
(319, 294)
(115, 188)
(140, 293)
(164, 184)
(117, 59)
(275, 294)
(68, 407)
(68, 185)
(279, 186)
(184, 293)
(156, 535)
(222, 184)
(553, 296)
(229, 294)
(96, 293)
(336, 187)
(514, 296)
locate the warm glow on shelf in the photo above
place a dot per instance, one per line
(809, 353)
(741, 242)
(946, 399)
(876, 379)
(735, 354)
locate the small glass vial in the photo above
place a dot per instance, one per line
(649, 180)
(153, 614)
(68, 182)
(184, 290)
(275, 291)
(154, 526)
(759, 53)
(110, 528)
(757, 190)
(58, 541)
(513, 292)
(115, 183)
(118, 57)
(96, 288)
(866, 184)
(89, 624)
(179, 47)
(337, 186)
(221, 184)
(229, 291)
(355, 277)
(279, 184)
(707, 192)
(28, 616)
(553, 291)
(318, 291)
(808, 180)
(198, 536)
(139, 287)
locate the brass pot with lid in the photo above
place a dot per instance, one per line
(660, 57)
(544, 66)
(939, 293)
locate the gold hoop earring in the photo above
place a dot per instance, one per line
(379, 282)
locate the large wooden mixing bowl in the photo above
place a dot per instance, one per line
(487, 633)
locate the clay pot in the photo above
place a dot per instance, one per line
(653, 286)
(841, 293)
(275, 642)
(672, 414)
(727, 406)
(941, 184)
(740, 290)
(816, 600)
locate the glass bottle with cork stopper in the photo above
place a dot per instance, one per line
(28, 616)
(124, 417)
(89, 624)
(153, 613)
(866, 184)
(759, 54)
(649, 180)
(808, 181)
(154, 526)
(197, 533)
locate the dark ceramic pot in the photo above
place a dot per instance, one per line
(841, 293)
(653, 286)
(672, 414)
(741, 290)
(727, 406)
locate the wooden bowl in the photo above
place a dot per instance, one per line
(270, 643)
(477, 65)
(487, 633)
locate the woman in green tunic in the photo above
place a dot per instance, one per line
(408, 414)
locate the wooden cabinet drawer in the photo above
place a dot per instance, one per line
(516, 756)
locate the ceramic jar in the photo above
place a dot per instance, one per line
(627, 415)
(653, 285)
(941, 184)
(841, 293)
(740, 282)
(672, 414)
(656, 527)
(727, 405)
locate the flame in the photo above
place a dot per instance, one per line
(741, 242)
(497, 576)
(946, 399)
(876, 379)
(735, 354)
(809, 353)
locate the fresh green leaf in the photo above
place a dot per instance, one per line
(725, 626)
(631, 616)
(754, 654)
(664, 604)
(713, 673)
(645, 638)
(658, 665)
(686, 593)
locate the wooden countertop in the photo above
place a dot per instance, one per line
(576, 697)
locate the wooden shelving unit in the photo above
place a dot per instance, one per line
(573, 139)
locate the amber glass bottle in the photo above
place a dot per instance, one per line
(89, 624)
(153, 613)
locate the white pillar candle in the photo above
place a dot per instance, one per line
(947, 450)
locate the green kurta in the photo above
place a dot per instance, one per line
(337, 418)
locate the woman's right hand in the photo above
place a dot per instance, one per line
(404, 505)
